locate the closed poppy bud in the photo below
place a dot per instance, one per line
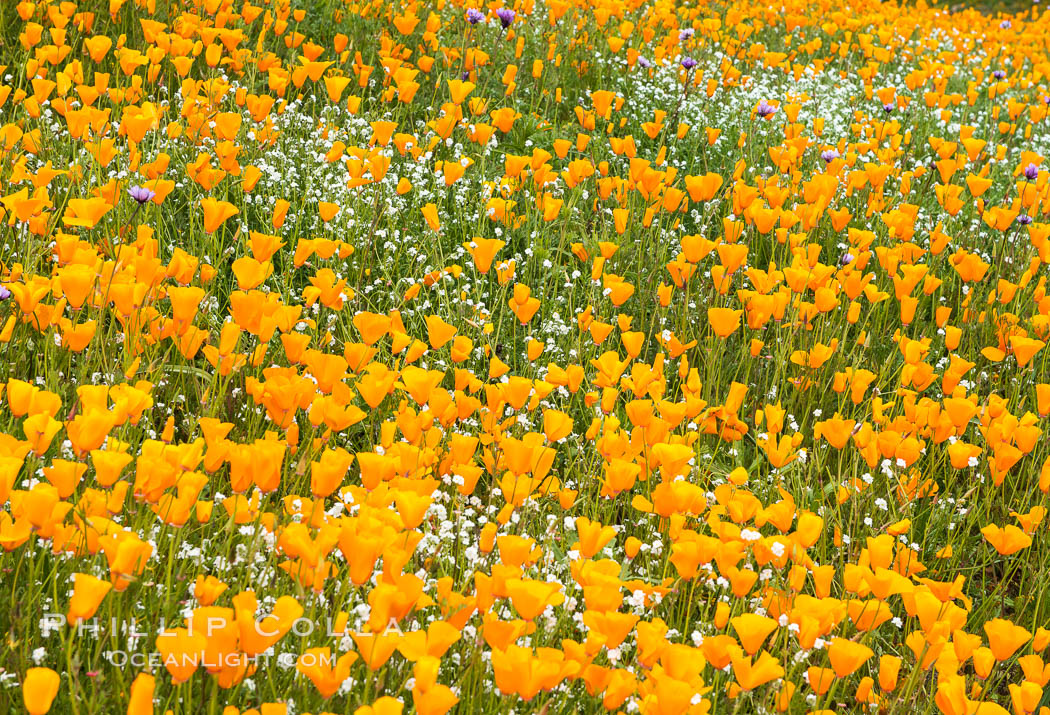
(738, 476)
(39, 690)
(952, 337)
(168, 434)
(820, 679)
(430, 214)
(889, 669)
(141, 700)
(808, 529)
(488, 537)
(504, 514)
(1041, 640)
(632, 546)
(983, 661)
(534, 349)
(864, 689)
(722, 612)
(853, 314)
(784, 696)
(280, 211)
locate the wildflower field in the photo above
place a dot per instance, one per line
(556, 356)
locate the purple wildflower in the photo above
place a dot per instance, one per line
(474, 16)
(846, 259)
(1005, 24)
(506, 16)
(644, 63)
(686, 34)
(1031, 172)
(4, 293)
(999, 74)
(887, 108)
(765, 109)
(829, 155)
(688, 62)
(141, 194)
(1024, 219)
